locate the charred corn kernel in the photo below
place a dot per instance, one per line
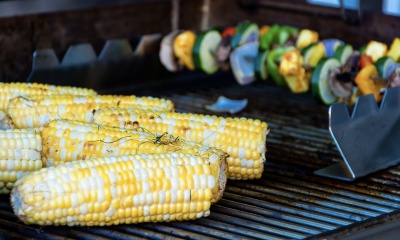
(243, 139)
(19, 155)
(111, 141)
(12, 90)
(34, 111)
(53, 206)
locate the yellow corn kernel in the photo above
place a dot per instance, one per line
(39, 110)
(19, 155)
(52, 206)
(243, 139)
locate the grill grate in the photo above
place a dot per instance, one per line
(289, 202)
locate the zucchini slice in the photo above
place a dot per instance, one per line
(204, 51)
(343, 53)
(307, 52)
(245, 32)
(261, 65)
(385, 66)
(320, 81)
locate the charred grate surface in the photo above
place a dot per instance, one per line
(289, 202)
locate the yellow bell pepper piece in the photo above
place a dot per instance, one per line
(306, 37)
(292, 71)
(376, 50)
(367, 85)
(317, 55)
(394, 51)
(183, 47)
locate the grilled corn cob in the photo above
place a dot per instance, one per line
(65, 141)
(6, 121)
(34, 111)
(243, 139)
(19, 155)
(117, 190)
(12, 90)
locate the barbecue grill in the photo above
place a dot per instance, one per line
(288, 202)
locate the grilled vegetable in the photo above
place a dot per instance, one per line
(243, 139)
(331, 45)
(268, 38)
(224, 48)
(242, 60)
(343, 53)
(183, 47)
(166, 54)
(285, 33)
(307, 53)
(367, 84)
(306, 37)
(341, 88)
(394, 51)
(272, 66)
(12, 90)
(119, 190)
(66, 141)
(320, 81)
(317, 55)
(291, 68)
(263, 30)
(375, 50)
(261, 65)
(394, 78)
(19, 155)
(365, 60)
(35, 111)
(245, 32)
(205, 49)
(385, 66)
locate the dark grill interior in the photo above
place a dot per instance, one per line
(289, 202)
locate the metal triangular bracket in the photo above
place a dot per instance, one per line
(368, 140)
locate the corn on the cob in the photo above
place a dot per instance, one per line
(65, 141)
(12, 90)
(36, 110)
(117, 190)
(243, 139)
(19, 154)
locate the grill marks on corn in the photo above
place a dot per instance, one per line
(243, 139)
(19, 154)
(34, 111)
(117, 190)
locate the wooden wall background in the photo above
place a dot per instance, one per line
(21, 36)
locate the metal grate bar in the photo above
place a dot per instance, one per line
(277, 217)
(273, 223)
(282, 209)
(346, 194)
(288, 202)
